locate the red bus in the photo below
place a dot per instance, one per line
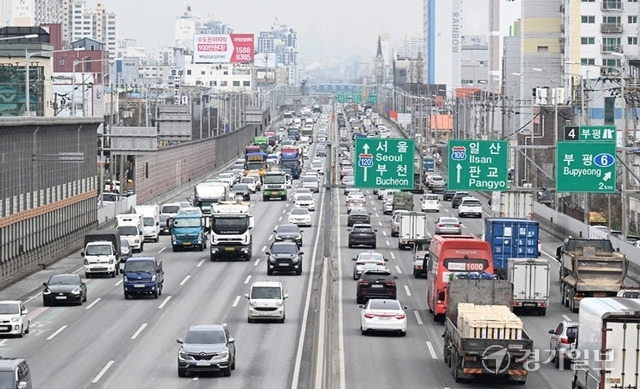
(450, 254)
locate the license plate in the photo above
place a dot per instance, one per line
(376, 286)
(529, 304)
(202, 363)
(6, 328)
(228, 249)
(187, 243)
(61, 297)
(283, 264)
(138, 286)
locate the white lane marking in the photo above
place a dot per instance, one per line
(93, 303)
(257, 262)
(184, 280)
(418, 317)
(236, 301)
(270, 237)
(264, 248)
(431, 350)
(246, 281)
(284, 211)
(380, 223)
(119, 282)
(406, 289)
(567, 318)
(388, 244)
(384, 233)
(142, 327)
(166, 300)
(57, 332)
(102, 372)
(36, 295)
(161, 250)
(393, 256)
(200, 263)
(398, 269)
(376, 214)
(2, 343)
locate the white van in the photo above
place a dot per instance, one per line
(150, 221)
(130, 227)
(266, 301)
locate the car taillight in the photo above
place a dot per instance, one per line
(440, 225)
(457, 225)
(363, 282)
(390, 283)
(564, 340)
(400, 316)
(369, 315)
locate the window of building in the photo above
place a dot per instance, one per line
(236, 83)
(632, 1)
(632, 40)
(588, 1)
(587, 19)
(213, 83)
(246, 83)
(632, 19)
(611, 63)
(188, 72)
(612, 4)
(202, 72)
(588, 40)
(587, 61)
(223, 83)
(543, 49)
(609, 110)
(611, 19)
(611, 44)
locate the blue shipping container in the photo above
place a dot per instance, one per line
(511, 238)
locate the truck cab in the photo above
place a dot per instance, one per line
(130, 227)
(100, 257)
(142, 276)
(231, 225)
(188, 229)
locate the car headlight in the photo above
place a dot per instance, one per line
(86, 262)
(153, 278)
(76, 290)
(46, 291)
(253, 303)
(15, 319)
(183, 355)
(272, 260)
(111, 261)
(295, 259)
(125, 279)
(223, 354)
(279, 304)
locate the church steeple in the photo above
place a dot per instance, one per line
(379, 64)
(379, 53)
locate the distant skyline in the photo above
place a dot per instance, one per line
(326, 29)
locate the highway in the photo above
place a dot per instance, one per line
(110, 342)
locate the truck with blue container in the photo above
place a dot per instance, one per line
(290, 160)
(511, 238)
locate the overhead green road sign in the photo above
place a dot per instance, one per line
(479, 165)
(372, 98)
(383, 163)
(587, 167)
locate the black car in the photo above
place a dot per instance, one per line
(290, 232)
(241, 190)
(457, 198)
(362, 234)
(447, 195)
(164, 228)
(207, 347)
(358, 216)
(376, 283)
(64, 288)
(284, 257)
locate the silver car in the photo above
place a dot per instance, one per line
(563, 342)
(448, 225)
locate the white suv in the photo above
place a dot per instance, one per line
(470, 206)
(266, 301)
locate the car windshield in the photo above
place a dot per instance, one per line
(205, 337)
(240, 188)
(148, 221)
(247, 180)
(128, 230)
(63, 279)
(139, 266)
(384, 304)
(265, 292)
(289, 229)
(284, 249)
(471, 203)
(187, 222)
(361, 229)
(9, 308)
(98, 249)
(305, 197)
(299, 211)
(376, 276)
(370, 256)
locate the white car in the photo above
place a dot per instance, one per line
(306, 201)
(300, 217)
(13, 316)
(387, 208)
(367, 259)
(300, 191)
(318, 167)
(251, 182)
(355, 203)
(266, 301)
(383, 315)
(431, 203)
(355, 195)
(227, 177)
(470, 206)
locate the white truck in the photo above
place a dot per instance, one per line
(130, 227)
(531, 282)
(150, 221)
(608, 337)
(102, 252)
(231, 224)
(513, 204)
(413, 228)
(208, 193)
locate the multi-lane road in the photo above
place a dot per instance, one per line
(110, 342)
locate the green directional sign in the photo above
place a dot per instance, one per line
(587, 167)
(356, 97)
(372, 98)
(384, 163)
(342, 97)
(479, 165)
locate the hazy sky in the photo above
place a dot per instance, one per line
(325, 27)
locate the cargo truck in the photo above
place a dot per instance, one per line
(188, 229)
(142, 276)
(275, 185)
(290, 159)
(412, 229)
(150, 221)
(531, 279)
(231, 224)
(606, 354)
(589, 268)
(208, 193)
(511, 238)
(402, 201)
(101, 252)
(482, 337)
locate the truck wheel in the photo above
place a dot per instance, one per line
(155, 294)
(160, 287)
(454, 367)
(201, 247)
(269, 271)
(247, 258)
(157, 239)
(542, 311)
(175, 248)
(415, 273)
(113, 274)
(182, 372)
(141, 247)
(126, 296)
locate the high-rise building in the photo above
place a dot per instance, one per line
(503, 19)
(282, 42)
(186, 26)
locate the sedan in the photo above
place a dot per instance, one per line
(64, 288)
(306, 201)
(448, 225)
(290, 232)
(207, 347)
(365, 260)
(358, 216)
(448, 195)
(241, 191)
(298, 192)
(13, 318)
(300, 217)
(378, 283)
(383, 315)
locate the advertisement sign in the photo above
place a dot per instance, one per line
(223, 48)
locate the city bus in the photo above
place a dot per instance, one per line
(450, 254)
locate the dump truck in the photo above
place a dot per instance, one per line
(589, 268)
(482, 336)
(606, 354)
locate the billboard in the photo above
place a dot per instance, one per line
(223, 48)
